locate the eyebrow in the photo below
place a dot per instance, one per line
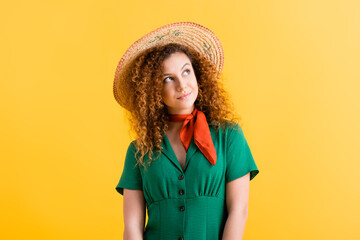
(180, 69)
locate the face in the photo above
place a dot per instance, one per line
(180, 85)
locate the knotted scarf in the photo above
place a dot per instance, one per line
(195, 125)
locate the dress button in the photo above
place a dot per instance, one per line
(181, 177)
(182, 208)
(181, 192)
(181, 238)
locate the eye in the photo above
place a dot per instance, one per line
(187, 70)
(167, 78)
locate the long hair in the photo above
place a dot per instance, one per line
(148, 114)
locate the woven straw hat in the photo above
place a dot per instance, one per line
(190, 34)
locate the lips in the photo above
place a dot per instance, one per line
(184, 96)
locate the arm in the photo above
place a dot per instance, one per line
(237, 198)
(134, 214)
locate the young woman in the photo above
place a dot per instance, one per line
(190, 164)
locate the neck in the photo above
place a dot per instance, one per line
(181, 111)
(175, 127)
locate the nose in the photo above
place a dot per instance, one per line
(181, 84)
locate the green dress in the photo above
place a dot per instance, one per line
(189, 203)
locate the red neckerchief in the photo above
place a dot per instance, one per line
(195, 125)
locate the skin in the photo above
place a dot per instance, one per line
(179, 78)
(134, 214)
(237, 201)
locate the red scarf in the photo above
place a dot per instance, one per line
(195, 125)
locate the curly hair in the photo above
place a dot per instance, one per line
(147, 113)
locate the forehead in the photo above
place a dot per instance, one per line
(175, 61)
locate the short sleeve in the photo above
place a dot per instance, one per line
(131, 176)
(239, 160)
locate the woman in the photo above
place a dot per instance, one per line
(190, 164)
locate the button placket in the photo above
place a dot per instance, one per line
(181, 192)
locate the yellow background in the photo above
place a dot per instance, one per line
(291, 68)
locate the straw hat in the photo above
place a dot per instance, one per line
(190, 34)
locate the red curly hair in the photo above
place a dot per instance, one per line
(147, 113)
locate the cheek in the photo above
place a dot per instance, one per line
(197, 91)
(195, 85)
(165, 92)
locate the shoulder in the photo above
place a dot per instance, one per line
(132, 150)
(132, 146)
(230, 127)
(234, 128)
(228, 133)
